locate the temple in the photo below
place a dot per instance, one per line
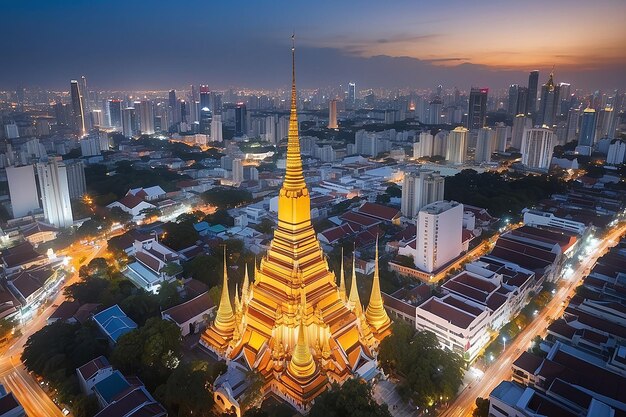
(294, 325)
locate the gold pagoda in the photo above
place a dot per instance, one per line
(294, 324)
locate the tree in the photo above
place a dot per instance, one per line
(117, 215)
(85, 406)
(352, 399)
(6, 327)
(171, 269)
(168, 294)
(482, 407)
(204, 268)
(224, 198)
(394, 191)
(150, 212)
(179, 235)
(187, 390)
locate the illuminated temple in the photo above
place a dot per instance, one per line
(294, 324)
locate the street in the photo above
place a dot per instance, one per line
(13, 374)
(500, 370)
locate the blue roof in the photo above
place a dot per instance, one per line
(111, 386)
(217, 228)
(114, 322)
(201, 226)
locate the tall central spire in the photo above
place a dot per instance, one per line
(294, 179)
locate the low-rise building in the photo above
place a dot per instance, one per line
(190, 316)
(93, 372)
(9, 405)
(152, 265)
(113, 323)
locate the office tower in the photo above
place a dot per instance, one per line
(54, 191)
(77, 109)
(425, 145)
(128, 122)
(587, 133)
(182, 105)
(564, 99)
(96, 118)
(61, 114)
(76, 178)
(35, 149)
(332, 114)
(439, 235)
(146, 117)
(206, 115)
(434, 111)
(573, 116)
(241, 119)
(351, 104)
(605, 124)
(84, 93)
(104, 140)
(237, 171)
(440, 143)
(216, 128)
(522, 101)
(216, 103)
(537, 147)
(502, 134)
(477, 112)
(22, 190)
(520, 123)
(484, 144)
(533, 83)
(513, 98)
(270, 129)
(11, 131)
(172, 104)
(617, 152)
(294, 276)
(115, 113)
(90, 146)
(420, 188)
(457, 145)
(549, 103)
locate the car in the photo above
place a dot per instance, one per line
(65, 411)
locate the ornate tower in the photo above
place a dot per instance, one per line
(295, 327)
(375, 314)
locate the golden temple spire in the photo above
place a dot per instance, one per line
(342, 280)
(294, 179)
(375, 314)
(301, 364)
(245, 287)
(225, 319)
(354, 302)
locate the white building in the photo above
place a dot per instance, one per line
(55, 194)
(11, 131)
(537, 147)
(439, 235)
(22, 189)
(617, 152)
(420, 188)
(237, 171)
(146, 117)
(76, 178)
(533, 217)
(484, 144)
(457, 145)
(425, 145)
(520, 123)
(502, 134)
(216, 128)
(190, 316)
(90, 146)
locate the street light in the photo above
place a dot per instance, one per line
(504, 341)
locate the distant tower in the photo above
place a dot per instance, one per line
(206, 115)
(55, 194)
(513, 98)
(351, 95)
(477, 112)
(146, 117)
(77, 108)
(537, 147)
(520, 123)
(457, 145)
(241, 116)
(115, 113)
(85, 95)
(128, 122)
(484, 144)
(332, 114)
(549, 103)
(216, 128)
(533, 83)
(587, 134)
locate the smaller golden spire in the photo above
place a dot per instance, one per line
(342, 281)
(245, 287)
(301, 364)
(225, 319)
(354, 302)
(375, 314)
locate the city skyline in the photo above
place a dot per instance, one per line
(135, 47)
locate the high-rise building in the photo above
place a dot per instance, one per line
(440, 143)
(351, 104)
(435, 108)
(115, 113)
(11, 131)
(617, 152)
(55, 194)
(520, 123)
(537, 147)
(332, 114)
(90, 146)
(206, 115)
(533, 84)
(96, 118)
(606, 124)
(587, 133)
(425, 145)
(522, 101)
(513, 98)
(420, 188)
(439, 235)
(573, 116)
(241, 120)
(146, 117)
(76, 183)
(84, 92)
(281, 322)
(457, 145)
(77, 108)
(237, 171)
(549, 104)
(128, 122)
(502, 135)
(477, 112)
(22, 190)
(216, 128)
(565, 99)
(484, 144)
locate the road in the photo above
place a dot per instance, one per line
(500, 370)
(13, 374)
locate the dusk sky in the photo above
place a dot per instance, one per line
(157, 44)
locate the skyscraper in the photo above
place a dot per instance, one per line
(522, 101)
(520, 123)
(216, 128)
(425, 145)
(457, 145)
(128, 122)
(237, 171)
(533, 83)
(502, 134)
(115, 113)
(513, 98)
(76, 183)
(146, 117)
(281, 323)
(573, 116)
(84, 92)
(439, 235)
(351, 95)
(420, 188)
(54, 190)
(587, 133)
(174, 114)
(484, 144)
(332, 114)
(605, 126)
(477, 112)
(22, 190)
(206, 115)
(434, 111)
(77, 109)
(549, 103)
(537, 147)
(241, 120)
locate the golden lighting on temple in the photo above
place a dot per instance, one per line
(294, 324)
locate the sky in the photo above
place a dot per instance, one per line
(157, 44)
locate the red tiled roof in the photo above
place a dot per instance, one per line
(442, 309)
(335, 233)
(93, 366)
(399, 305)
(130, 201)
(20, 255)
(148, 261)
(134, 404)
(528, 362)
(190, 309)
(379, 211)
(65, 311)
(357, 220)
(467, 235)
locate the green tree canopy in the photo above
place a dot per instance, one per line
(223, 197)
(352, 399)
(187, 390)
